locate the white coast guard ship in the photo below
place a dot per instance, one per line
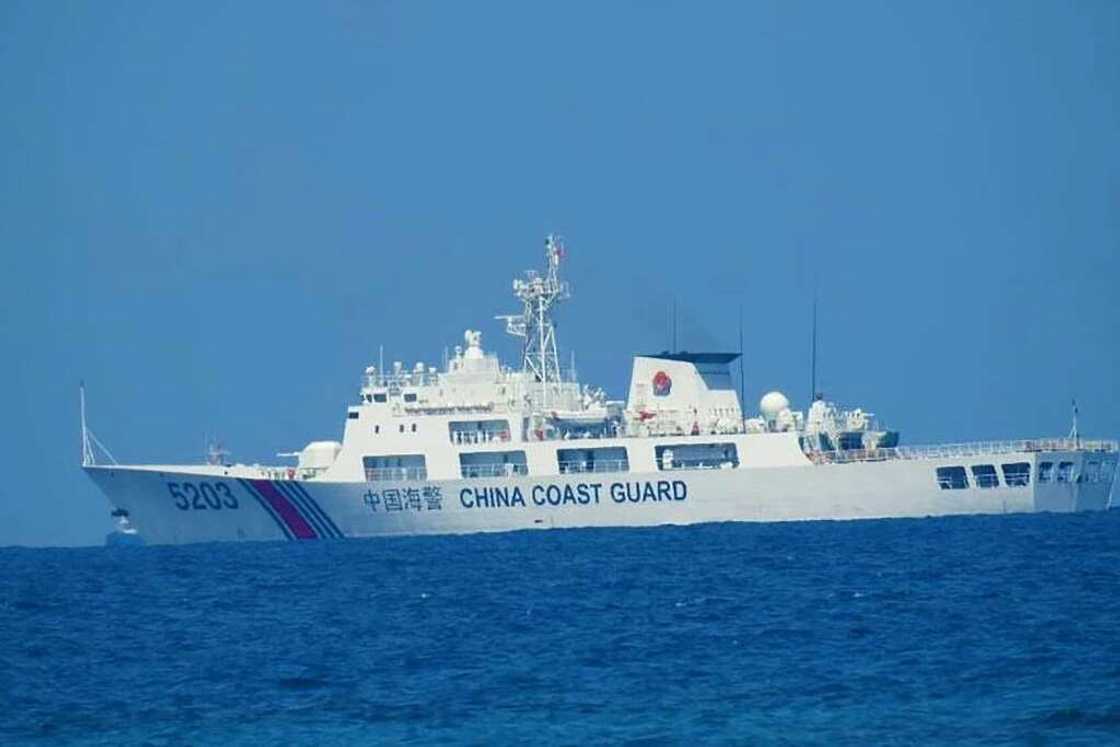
(480, 447)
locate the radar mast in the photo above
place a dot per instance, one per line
(539, 294)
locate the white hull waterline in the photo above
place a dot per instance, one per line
(477, 447)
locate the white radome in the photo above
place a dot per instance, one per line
(772, 405)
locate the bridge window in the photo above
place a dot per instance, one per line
(493, 463)
(607, 459)
(410, 396)
(952, 478)
(352, 415)
(395, 467)
(1045, 471)
(697, 456)
(1065, 472)
(478, 431)
(380, 397)
(1017, 474)
(985, 475)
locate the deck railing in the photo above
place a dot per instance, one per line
(599, 465)
(677, 465)
(978, 448)
(508, 469)
(383, 474)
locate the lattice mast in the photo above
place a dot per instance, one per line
(539, 294)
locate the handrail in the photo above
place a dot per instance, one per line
(382, 474)
(599, 465)
(412, 378)
(506, 469)
(701, 464)
(399, 380)
(472, 437)
(978, 448)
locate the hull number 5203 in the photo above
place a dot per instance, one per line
(201, 497)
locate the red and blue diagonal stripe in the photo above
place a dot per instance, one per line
(310, 509)
(296, 513)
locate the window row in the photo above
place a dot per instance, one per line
(1092, 472)
(1015, 475)
(568, 461)
(1018, 474)
(461, 432)
(383, 397)
(401, 428)
(478, 431)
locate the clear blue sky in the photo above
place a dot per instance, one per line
(215, 212)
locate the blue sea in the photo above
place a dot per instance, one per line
(982, 630)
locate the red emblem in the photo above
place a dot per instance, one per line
(662, 384)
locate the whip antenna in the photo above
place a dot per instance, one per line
(742, 381)
(813, 354)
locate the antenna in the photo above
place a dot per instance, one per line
(1074, 433)
(380, 365)
(813, 354)
(742, 380)
(673, 317)
(669, 328)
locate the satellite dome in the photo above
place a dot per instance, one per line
(473, 338)
(773, 404)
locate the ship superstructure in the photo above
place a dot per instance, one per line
(476, 446)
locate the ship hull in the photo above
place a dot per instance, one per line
(172, 505)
